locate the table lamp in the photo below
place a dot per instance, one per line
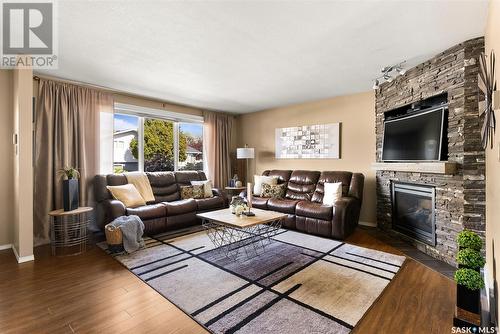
(245, 153)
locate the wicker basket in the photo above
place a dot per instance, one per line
(114, 238)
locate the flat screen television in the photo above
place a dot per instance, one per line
(416, 137)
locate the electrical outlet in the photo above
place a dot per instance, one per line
(14, 139)
(496, 100)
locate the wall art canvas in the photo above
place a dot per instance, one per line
(320, 141)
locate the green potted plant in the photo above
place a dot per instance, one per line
(468, 279)
(469, 239)
(470, 258)
(469, 284)
(70, 188)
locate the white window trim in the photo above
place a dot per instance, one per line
(176, 118)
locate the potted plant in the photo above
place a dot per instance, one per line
(469, 282)
(470, 258)
(468, 279)
(70, 188)
(469, 239)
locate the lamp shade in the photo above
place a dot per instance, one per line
(245, 153)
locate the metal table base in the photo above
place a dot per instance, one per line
(235, 241)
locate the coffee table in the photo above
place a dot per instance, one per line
(241, 235)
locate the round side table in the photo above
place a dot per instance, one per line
(233, 191)
(69, 230)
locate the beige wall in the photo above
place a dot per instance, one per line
(7, 153)
(493, 163)
(357, 115)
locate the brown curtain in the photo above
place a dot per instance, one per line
(217, 142)
(66, 135)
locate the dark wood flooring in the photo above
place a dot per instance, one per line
(93, 293)
(411, 251)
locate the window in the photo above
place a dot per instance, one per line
(153, 140)
(125, 133)
(190, 146)
(158, 145)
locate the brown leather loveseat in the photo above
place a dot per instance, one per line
(168, 211)
(304, 197)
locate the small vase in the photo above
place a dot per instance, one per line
(70, 194)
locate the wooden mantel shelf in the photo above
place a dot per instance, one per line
(440, 167)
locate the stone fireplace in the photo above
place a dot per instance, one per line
(457, 185)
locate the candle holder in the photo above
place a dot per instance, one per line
(249, 213)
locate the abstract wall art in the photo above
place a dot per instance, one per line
(320, 141)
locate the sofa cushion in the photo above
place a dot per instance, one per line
(184, 178)
(282, 175)
(259, 202)
(164, 186)
(282, 205)
(180, 207)
(314, 210)
(331, 177)
(148, 211)
(302, 184)
(210, 203)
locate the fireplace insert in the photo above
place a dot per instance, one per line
(413, 211)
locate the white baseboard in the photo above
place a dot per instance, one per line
(22, 259)
(370, 224)
(7, 246)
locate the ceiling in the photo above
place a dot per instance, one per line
(244, 56)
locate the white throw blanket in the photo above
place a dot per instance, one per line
(141, 182)
(132, 229)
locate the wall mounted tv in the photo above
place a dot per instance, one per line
(418, 136)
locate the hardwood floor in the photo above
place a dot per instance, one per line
(93, 293)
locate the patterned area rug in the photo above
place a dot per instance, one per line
(299, 284)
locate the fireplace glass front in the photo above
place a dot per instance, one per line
(413, 211)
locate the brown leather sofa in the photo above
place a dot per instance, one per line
(304, 198)
(168, 211)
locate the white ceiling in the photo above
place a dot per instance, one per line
(244, 56)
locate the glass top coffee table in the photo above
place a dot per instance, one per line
(241, 236)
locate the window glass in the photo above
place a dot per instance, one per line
(190, 146)
(158, 145)
(125, 134)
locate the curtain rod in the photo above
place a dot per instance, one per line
(111, 90)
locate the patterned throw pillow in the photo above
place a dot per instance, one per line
(273, 191)
(192, 192)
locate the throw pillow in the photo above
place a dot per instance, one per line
(207, 187)
(195, 191)
(128, 195)
(259, 179)
(277, 191)
(141, 182)
(333, 192)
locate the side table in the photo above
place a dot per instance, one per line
(69, 230)
(233, 191)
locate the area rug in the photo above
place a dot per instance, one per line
(299, 284)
